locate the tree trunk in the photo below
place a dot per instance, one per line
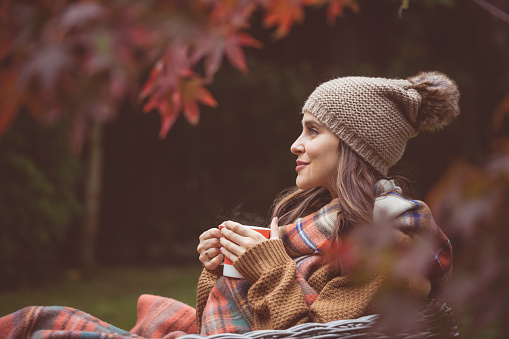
(93, 188)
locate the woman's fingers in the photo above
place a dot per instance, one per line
(210, 233)
(241, 235)
(211, 258)
(237, 228)
(228, 254)
(209, 238)
(209, 249)
(274, 229)
(212, 252)
(231, 241)
(206, 244)
(213, 262)
(232, 247)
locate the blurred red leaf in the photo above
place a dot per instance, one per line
(4, 7)
(213, 47)
(233, 48)
(193, 92)
(500, 113)
(335, 8)
(173, 87)
(74, 53)
(235, 13)
(471, 202)
(283, 14)
(80, 14)
(11, 97)
(44, 68)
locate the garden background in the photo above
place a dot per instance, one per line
(96, 242)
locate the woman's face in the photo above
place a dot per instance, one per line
(317, 155)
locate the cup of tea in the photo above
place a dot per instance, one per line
(228, 269)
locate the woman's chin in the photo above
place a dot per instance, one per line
(302, 184)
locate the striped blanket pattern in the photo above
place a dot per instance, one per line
(158, 317)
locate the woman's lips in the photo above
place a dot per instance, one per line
(301, 165)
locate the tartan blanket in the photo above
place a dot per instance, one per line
(158, 317)
(227, 310)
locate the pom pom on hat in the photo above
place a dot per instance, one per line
(440, 100)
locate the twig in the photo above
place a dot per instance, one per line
(497, 12)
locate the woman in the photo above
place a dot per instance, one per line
(353, 130)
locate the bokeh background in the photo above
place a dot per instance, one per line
(157, 191)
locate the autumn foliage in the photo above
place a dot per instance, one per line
(77, 61)
(470, 201)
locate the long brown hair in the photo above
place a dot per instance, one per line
(354, 186)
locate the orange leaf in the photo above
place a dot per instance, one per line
(167, 121)
(334, 10)
(247, 40)
(169, 110)
(150, 85)
(236, 57)
(192, 93)
(283, 14)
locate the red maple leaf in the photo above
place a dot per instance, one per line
(213, 47)
(283, 14)
(173, 87)
(192, 92)
(336, 7)
(234, 52)
(235, 13)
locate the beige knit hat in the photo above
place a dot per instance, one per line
(377, 116)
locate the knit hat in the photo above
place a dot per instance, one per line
(377, 116)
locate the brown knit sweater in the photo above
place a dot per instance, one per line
(277, 300)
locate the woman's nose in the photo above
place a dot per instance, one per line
(297, 147)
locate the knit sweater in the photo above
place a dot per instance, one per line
(278, 299)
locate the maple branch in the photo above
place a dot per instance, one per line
(495, 11)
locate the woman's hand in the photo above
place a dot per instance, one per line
(209, 249)
(236, 239)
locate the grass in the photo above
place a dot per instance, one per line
(112, 294)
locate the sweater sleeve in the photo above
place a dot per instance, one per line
(276, 296)
(348, 297)
(206, 282)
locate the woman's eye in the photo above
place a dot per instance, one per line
(313, 131)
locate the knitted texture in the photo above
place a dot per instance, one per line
(377, 116)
